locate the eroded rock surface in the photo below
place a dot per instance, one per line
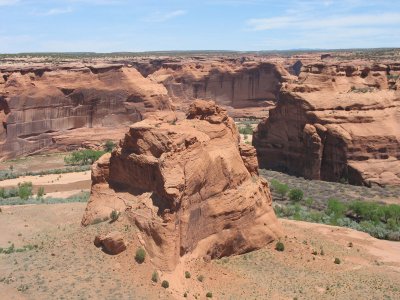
(336, 122)
(112, 243)
(189, 187)
(246, 88)
(41, 106)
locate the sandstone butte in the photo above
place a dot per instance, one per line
(336, 122)
(189, 186)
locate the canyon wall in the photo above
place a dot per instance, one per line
(247, 88)
(336, 122)
(40, 102)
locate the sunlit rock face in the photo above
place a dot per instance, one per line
(336, 122)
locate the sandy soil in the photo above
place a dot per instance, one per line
(68, 266)
(35, 163)
(54, 182)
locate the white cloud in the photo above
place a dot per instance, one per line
(8, 2)
(56, 11)
(159, 17)
(318, 23)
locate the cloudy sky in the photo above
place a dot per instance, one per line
(150, 25)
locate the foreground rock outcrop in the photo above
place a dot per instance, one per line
(188, 186)
(42, 104)
(336, 122)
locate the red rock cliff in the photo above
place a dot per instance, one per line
(37, 103)
(336, 122)
(188, 186)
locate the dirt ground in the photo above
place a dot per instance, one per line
(53, 183)
(66, 264)
(35, 163)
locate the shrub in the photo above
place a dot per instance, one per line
(165, 284)
(109, 146)
(40, 192)
(296, 195)
(185, 294)
(246, 130)
(336, 208)
(280, 188)
(187, 275)
(337, 261)
(309, 202)
(140, 255)
(200, 278)
(83, 157)
(154, 276)
(24, 190)
(209, 295)
(114, 215)
(280, 246)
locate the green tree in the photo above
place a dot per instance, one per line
(24, 190)
(280, 188)
(296, 195)
(336, 208)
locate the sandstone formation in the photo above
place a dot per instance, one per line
(112, 243)
(189, 187)
(337, 121)
(40, 102)
(246, 88)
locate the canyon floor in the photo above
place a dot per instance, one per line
(64, 264)
(53, 257)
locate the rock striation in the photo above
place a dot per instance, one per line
(188, 185)
(38, 103)
(246, 88)
(336, 122)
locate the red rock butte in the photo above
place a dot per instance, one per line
(189, 186)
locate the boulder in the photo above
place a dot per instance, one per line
(112, 243)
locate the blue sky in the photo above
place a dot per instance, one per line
(151, 25)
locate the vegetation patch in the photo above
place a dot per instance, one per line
(140, 255)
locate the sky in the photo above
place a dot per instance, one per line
(162, 25)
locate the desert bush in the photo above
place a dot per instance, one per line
(280, 246)
(296, 195)
(246, 130)
(40, 192)
(309, 202)
(209, 295)
(109, 146)
(187, 275)
(114, 215)
(200, 278)
(280, 188)
(165, 284)
(337, 261)
(24, 190)
(140, 255)
(83, 157)
(154, 276)
(336, 208)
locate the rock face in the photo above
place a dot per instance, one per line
(247, 88)
(188, 186)
(112, 243)
(336, 122)
(37, 103)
